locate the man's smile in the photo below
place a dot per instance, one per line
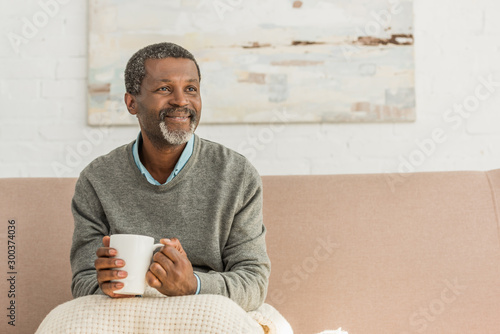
(178, 119)
(181, 115)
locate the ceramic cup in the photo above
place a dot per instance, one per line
(137, 252)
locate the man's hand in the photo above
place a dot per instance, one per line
(103, 264)
(171, 272)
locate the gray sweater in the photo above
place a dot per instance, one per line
(213, 206)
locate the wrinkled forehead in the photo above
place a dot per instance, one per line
(171, 68)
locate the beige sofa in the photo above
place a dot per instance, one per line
(414, 253)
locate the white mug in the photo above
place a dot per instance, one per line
(136, 251)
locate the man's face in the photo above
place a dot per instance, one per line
(169, 105)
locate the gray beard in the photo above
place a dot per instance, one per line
(176, 137)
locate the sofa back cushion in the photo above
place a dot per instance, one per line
(385, 253)
(39, 209)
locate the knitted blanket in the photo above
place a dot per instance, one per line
(159, 314)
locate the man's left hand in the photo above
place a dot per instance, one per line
(171, 272)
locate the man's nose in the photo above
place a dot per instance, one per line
(179, 98)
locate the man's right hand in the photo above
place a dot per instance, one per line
(104, 264)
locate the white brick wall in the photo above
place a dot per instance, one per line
(43, 129)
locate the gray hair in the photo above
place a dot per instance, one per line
(135, 71)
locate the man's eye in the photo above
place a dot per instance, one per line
(163, 89)
(191, 89)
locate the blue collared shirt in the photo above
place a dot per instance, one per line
(183, 159)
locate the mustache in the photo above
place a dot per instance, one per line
(170, 111)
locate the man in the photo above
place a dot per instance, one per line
(200, 199)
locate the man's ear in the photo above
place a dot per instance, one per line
(130, 103)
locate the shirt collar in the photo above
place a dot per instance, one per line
(183, 159)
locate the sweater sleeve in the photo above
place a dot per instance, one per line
(246, 263)
(90, 226)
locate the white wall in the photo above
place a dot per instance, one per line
(457, 49)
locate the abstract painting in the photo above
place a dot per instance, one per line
(318, 60)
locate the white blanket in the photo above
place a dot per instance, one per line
(154, 314)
